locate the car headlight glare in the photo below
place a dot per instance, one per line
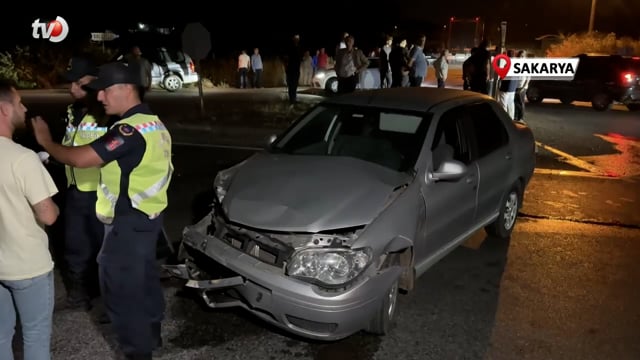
(330, 267)
(320, 75)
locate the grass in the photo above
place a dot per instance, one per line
(575, 44)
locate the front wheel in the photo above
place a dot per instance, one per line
(503, 226)
(601, 102)
(383, 319)
(533, 95)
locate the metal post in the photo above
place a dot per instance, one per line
(593, 15)
(503, 36)
(449, 38)
(200, 92)
(493, 79)
(476, 42)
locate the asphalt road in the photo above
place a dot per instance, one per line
(564, 286)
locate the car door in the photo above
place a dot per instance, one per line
(492, 152)
(450, 205)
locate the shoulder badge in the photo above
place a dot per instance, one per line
(125, 130)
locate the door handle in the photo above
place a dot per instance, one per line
(508, 156)
(469, 179)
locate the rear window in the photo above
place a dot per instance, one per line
(632, 64)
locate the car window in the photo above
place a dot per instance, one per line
(632, 64)
(310, 134)
(176, 56)
(488, 130)
(154, 56)
(389, 138)
(450, 134)
(587, 69)
(599, 68)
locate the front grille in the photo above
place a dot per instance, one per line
(258, 245)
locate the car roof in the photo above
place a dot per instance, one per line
(404, 98)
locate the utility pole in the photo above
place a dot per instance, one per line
(593, 15)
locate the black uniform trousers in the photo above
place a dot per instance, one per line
(83, 238)
(130, 282)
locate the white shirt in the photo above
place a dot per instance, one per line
(243, 61)
(24, 182)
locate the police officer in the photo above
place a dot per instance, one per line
(85, 121)
(136, 169)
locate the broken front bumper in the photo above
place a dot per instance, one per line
(291, 304)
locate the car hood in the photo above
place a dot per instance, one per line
(281, 192)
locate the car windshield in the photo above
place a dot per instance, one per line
(389, 138)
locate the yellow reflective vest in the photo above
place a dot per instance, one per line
(84, 133)
(149, 181)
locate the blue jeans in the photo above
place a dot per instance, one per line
(33, 299)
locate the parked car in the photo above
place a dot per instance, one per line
(599, 79)
(171, 69)
(352, 203)
(369, 79)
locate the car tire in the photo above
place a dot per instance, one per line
(503, 226)
(172, 83)
(633, 107)
(533, 96)
(383, 319)
(566, 100)
(331, 85)
(601, 102)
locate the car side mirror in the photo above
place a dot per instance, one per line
(449, 170)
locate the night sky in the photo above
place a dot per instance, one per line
(322, 23)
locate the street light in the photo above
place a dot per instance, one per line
(593, 15)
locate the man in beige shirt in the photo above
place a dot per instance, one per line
(26, 266)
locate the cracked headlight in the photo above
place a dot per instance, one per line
(329, 267)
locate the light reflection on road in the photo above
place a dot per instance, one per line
(625, 163)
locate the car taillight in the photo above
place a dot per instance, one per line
(192, 66)
(629, 77)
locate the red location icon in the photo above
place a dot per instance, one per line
(501, 65)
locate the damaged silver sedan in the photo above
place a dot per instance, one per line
(358, 198)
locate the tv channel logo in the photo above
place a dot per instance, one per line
(54, 30)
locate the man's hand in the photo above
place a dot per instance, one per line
(41, 131)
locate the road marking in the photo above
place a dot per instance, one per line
(218, 146)
(572, 160)
(574, 173)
